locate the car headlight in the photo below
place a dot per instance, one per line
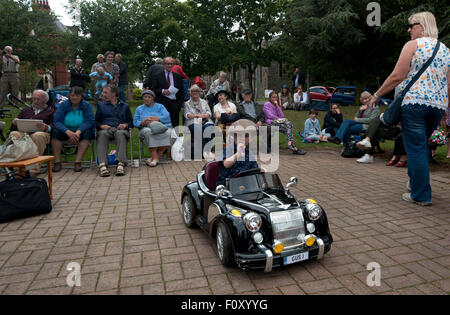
(314, 211)
(253, 221)
(236, 211)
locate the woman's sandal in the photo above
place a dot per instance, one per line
(151, 163)
(104, 172)
(120, 171)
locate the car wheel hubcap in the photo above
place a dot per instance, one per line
(186, 212)
(220, 244)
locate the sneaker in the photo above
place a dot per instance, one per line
(364, 144)
(365, 159)
(407, 197)
(408, 186)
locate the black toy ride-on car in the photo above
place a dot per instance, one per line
(255, 221)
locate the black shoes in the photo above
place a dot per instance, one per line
(334, 140)
(299, 152)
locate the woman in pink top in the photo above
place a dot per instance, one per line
(275, 117)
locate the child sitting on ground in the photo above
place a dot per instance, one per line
(312, 128)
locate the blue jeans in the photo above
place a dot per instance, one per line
(348, 128)
(122, 92)
(418, 123)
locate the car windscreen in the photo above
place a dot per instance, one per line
(254, 183)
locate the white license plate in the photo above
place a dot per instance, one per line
(296, 258)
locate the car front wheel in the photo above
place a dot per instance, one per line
(224, 246)
(188, 209)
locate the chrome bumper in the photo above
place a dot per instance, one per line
(269, 254)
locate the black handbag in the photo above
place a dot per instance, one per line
(392, 115)
(21, 198)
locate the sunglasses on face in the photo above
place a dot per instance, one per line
(412, 25)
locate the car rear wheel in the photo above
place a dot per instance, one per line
(224, 246)
(188, 209)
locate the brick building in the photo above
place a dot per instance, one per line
(59, 74)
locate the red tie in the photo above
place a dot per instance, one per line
(168, 79)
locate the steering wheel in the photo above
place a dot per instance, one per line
(248, 172)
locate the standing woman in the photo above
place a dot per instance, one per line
(112, 68)
(424, 104)
(275, 117)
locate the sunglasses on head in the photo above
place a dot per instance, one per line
(414, 24)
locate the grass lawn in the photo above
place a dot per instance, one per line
(298, 119)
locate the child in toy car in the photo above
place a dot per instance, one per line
(238, 157)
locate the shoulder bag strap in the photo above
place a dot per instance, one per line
(422, 70)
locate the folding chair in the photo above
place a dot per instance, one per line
(113, 141)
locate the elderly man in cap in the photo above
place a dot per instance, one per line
(153, 121)
(112, 119)
(9, 81)
(249, 110)
(38, 111)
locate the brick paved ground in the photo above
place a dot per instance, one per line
(128, 236)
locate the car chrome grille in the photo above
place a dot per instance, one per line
(287, 226)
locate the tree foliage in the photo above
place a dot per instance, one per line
(18, 22)
(334, 42)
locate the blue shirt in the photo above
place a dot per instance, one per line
(239, 166)
(143, 112)
(113, 115)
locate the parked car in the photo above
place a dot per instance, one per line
(255, 222)
(346, 95)
(64, 90)
(319, 93)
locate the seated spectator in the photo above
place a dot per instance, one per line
(367, 112)
(153, 121)
(225, 112)
(312, 128)
(221, 84)
(74, 121)
(101, 78)
(285, 97)
(275, 117)
(376, 131)
(333, 120)
(249, 110)
(112, 119)
(300, 98)
(198, 115)
(236, 156)
(40, 111)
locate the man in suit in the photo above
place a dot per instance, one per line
(297, 79)
(163, 85)
(153, 71)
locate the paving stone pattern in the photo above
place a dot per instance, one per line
(128, 236)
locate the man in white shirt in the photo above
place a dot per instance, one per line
(9, 83)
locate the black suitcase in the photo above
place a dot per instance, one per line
(21, 198)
